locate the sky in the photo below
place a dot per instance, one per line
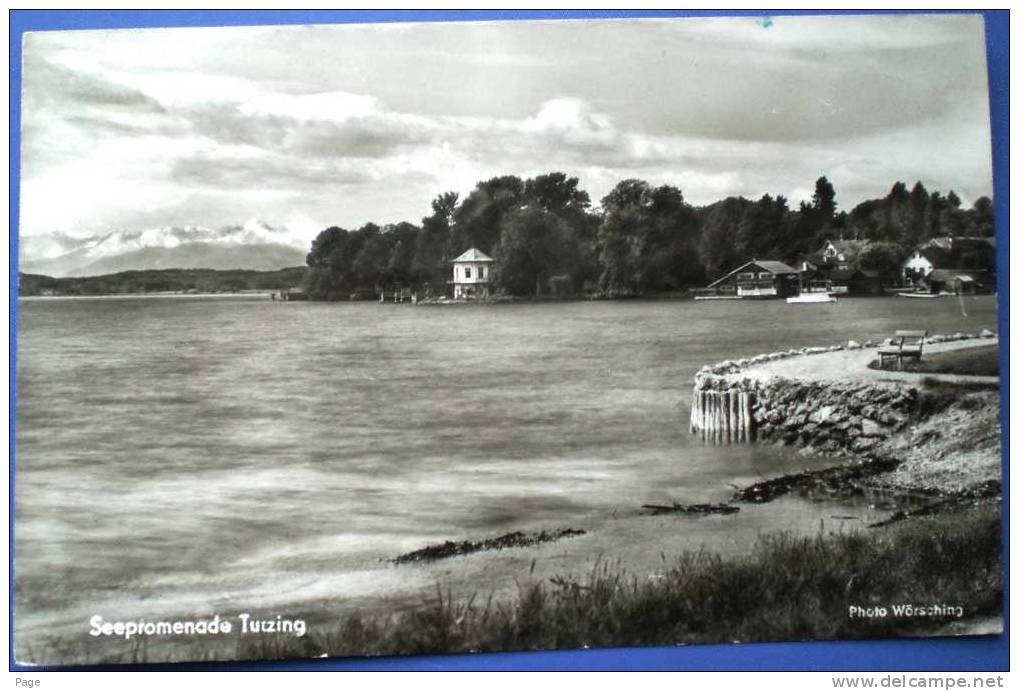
(311, 126)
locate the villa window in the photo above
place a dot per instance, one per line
(481, 272)
(467, 272)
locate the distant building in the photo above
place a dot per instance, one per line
(855, 282)
(949, 242)
(842, 254)
(290, 294)
(958, 281)
(973, 256)
(759, 278)
(472, 273)
(922, 261)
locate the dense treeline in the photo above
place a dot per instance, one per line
(548, 239)
(163, 280)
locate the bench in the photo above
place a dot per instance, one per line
(905, 344)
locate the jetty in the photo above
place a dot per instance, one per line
(825, 397)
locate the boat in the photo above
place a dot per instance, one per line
(811, 298)
(920, 295)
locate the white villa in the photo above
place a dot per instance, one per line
(471, 275)
(920, 262)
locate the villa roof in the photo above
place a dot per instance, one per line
(473, 255)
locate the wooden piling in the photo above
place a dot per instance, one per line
(748, 418)
(723, 417)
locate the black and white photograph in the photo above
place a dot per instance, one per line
(420, 337)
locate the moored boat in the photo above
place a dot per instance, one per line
(920, 295)
(811, 298)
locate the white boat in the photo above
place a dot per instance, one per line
(810, 298)
(921, 295)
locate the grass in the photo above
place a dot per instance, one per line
(788, 588)
(936, 396)
(977, 361)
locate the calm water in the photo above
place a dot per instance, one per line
(198, 455)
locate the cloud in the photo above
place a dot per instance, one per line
(346, 124)
(264, 173)
(47, 83)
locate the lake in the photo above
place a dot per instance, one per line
(184, 456)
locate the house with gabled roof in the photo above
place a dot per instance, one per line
(973, 256)
(759, 278)
(472, 275)
(842, 254)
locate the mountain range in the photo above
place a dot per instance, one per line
(253, 245)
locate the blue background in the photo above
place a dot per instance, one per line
(974, 653)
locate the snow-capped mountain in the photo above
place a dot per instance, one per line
(252, 245)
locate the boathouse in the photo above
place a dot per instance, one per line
(758, 278)
(854, 282)
(472, 273)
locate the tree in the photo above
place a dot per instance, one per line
(627, 194)
(647, 240)
(557, 193)
(764, 231)
(561, 195)
(980, 220)
(476, 221)
(330, 264)
(403, 238)
(721, 223)
(669, 251)
(884, 258)
(619, 243)
(823, 201)
(534, 246)
(430, 264)
(372, 260)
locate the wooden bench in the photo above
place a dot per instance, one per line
(905, 344)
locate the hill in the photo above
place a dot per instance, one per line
(162, 281)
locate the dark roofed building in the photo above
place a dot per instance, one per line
(959, 281)
(855, 282)
(759, 278)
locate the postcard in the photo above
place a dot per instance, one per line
(413, 338)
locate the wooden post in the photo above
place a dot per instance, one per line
(733, 411)
(716, 426)
(740, 424)
(726, 427)
(748, 418)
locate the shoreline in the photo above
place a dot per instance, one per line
(403, 609)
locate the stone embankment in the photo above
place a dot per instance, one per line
(822, 397)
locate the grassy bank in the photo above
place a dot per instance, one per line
(789, 588)
(953, 445)
(980, 361)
